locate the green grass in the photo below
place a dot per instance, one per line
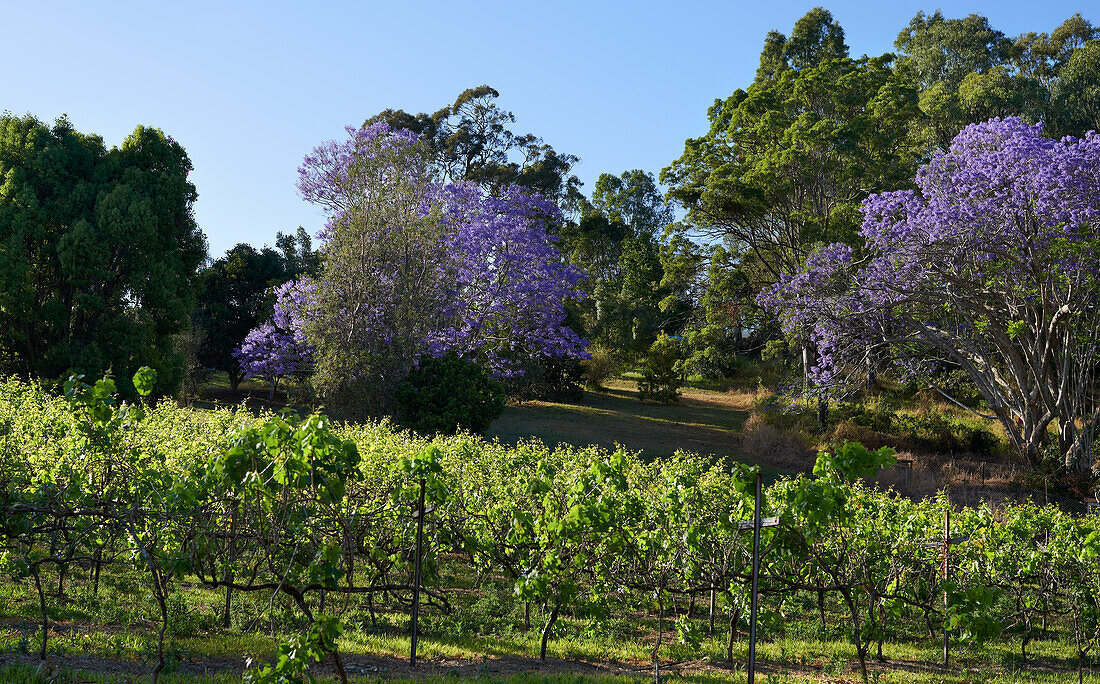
(111, 639)
(703, 421)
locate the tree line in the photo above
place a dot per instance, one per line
(502, 260)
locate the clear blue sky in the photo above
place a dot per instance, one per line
(249, 87)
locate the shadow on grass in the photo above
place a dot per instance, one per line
(705, 424)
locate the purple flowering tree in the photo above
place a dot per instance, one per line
(412, 266)
(991, 267)
(506, 303)
(273, 353)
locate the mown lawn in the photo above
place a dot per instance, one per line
(703, 421)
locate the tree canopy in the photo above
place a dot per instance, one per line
(967, 72)
(786, 163)
(471, 140)
(98, 251)
(411, 266)
(990, 267)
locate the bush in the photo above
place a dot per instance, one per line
(598, 369)
(663, 372)
(444, 394)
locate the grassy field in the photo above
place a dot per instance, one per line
(703, 421)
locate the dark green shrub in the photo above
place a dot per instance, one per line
(663, 372)
(447, 393)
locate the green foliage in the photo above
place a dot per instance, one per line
(967, 72)
(784, 167)
(425, 467)
(98, 251)
(448, 393)
(588, 534)
(145, 379)
(934, 431)
(295, 655)
(471, 140)
(288, 453)
(235, 298)
(663, 372)
(970, 611)
(598, 369)
(853, 461)
(615, 244)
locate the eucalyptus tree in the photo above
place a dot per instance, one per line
(788, 161)
(967, 71)
(471, 140)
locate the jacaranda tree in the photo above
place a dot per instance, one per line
(412, 266)
(990, 267)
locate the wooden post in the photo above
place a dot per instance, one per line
(416, 580)
(756, 524)
(946, 579)
(755, 581)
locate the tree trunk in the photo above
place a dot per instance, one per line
(162, 605)
(546, 630)
(805, 368)
(861, 647)
(732, 634)
(41, 609)
(872, 371)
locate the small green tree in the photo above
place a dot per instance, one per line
(663, 372)
(447, 393)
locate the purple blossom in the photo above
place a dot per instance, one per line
(990, 266)
(272, 353)
(502, 283)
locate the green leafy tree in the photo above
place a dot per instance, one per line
(787, 162)
(616, 244)
(968, 72)
(299, 257)
(472, 140)
(1076, 95)
(98, 251)
(234, 299)
(663, 371)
